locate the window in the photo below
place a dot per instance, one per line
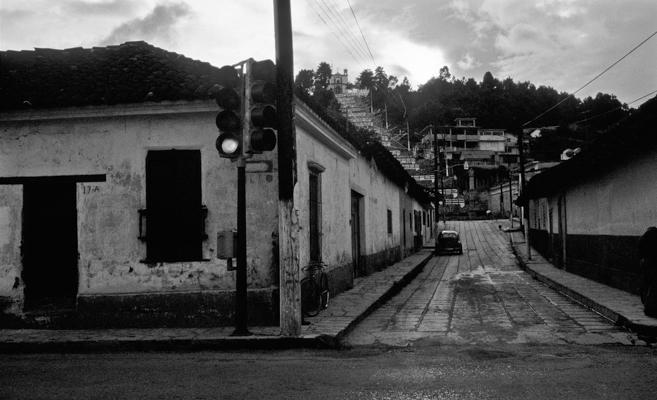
(389, 222)
(175, 217)
(315, 212)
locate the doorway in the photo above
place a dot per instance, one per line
(356, 234)
(50, 246)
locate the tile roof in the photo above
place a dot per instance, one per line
(132, 72)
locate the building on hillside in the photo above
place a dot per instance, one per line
(338, 82)
(587, 213)
(473, 158)
(112, 195)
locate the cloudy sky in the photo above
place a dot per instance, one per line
(560, 43)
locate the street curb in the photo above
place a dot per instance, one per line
(312, 341)
(397, 286)
(168, 345)
(613, 316)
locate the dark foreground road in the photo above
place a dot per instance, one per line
(448, 372)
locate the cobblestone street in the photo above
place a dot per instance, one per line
(482, 297)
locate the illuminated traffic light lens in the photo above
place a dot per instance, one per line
(228, 145)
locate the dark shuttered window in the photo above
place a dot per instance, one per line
(315, 208)
(175, 218)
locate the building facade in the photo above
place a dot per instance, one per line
(587, 213)
(110, 210)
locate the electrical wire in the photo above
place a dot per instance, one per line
(352, 35)
(330, 14)
(348, 48)
(361, 32)
(591, 80)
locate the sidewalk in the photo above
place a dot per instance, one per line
(325, 330)
(622, 308)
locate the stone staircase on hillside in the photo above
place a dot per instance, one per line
(355, 105)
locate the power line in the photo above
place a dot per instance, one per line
(591, 80)
(334, 32)
(359, 43)
(361, 32)
(334, 20)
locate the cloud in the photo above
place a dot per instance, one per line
(467, 63)
(102, 7)
(156, 26)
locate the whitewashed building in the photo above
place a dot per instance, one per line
(112, 194)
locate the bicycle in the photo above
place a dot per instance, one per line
(315, 292)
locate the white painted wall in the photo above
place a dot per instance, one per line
(621, 202)
(80, 142)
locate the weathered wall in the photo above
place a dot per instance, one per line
(604, 218)
(313, 148)
(11, 287)
(346, 170)
(65, 143)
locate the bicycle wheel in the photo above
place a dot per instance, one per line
(324, 293)
(310, 297)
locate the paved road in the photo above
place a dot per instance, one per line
(482, 297)
(428, 372)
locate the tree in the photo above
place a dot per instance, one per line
(305, 79)
(444, 73)
(365, 80)
(323, 76)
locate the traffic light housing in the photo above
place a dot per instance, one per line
(260, 111)
(229, 119)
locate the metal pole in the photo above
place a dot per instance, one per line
(435, 182)
(442, 189)
(501, 197)
(241, 316)
(288, 224)
(525, 210)
(510, 199)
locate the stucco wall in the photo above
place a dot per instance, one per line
(604, 217)
(621, 202)
(11, 204)
(58, 143)
(345, 170)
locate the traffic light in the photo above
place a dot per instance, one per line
(260, 111)
(229, 121)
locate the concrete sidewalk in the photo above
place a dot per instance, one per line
(621, 307)
(325, 330)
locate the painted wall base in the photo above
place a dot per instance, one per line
(609, 259)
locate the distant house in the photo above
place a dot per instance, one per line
(112, 194)
(587, 213)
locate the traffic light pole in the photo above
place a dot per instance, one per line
(241, 314)
(288, 223)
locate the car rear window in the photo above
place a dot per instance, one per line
(449, 235)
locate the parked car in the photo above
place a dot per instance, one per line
(449, 242)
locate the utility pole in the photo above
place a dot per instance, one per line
(501, 195)
(525, 210)
(435, 184)
(288, 224)
(510, 199)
